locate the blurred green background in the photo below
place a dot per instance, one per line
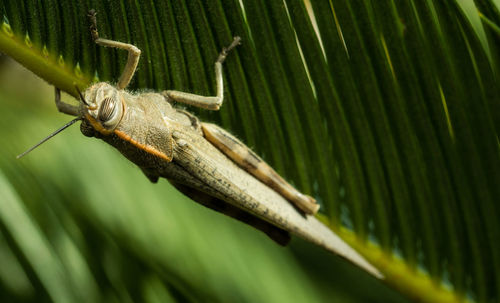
(79, 223)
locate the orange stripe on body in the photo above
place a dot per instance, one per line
(96, 125)
(147, 148)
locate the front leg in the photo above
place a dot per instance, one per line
(133, 52)
(211, 103)
(249, 161)
(64, 107)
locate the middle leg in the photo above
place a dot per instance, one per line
(211, 103)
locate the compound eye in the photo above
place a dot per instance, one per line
(106, 110)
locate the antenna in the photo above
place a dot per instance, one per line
(50, 136)
(81, 96)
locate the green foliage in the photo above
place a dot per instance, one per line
(388, 114)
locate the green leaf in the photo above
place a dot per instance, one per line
(386, 111)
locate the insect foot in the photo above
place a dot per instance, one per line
(93, 24)
(226, 50)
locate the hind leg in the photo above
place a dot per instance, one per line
(248, 160)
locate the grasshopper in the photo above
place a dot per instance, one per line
(200, 159)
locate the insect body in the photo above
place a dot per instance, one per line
(200, 159)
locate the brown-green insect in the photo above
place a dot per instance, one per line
(202, 160)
